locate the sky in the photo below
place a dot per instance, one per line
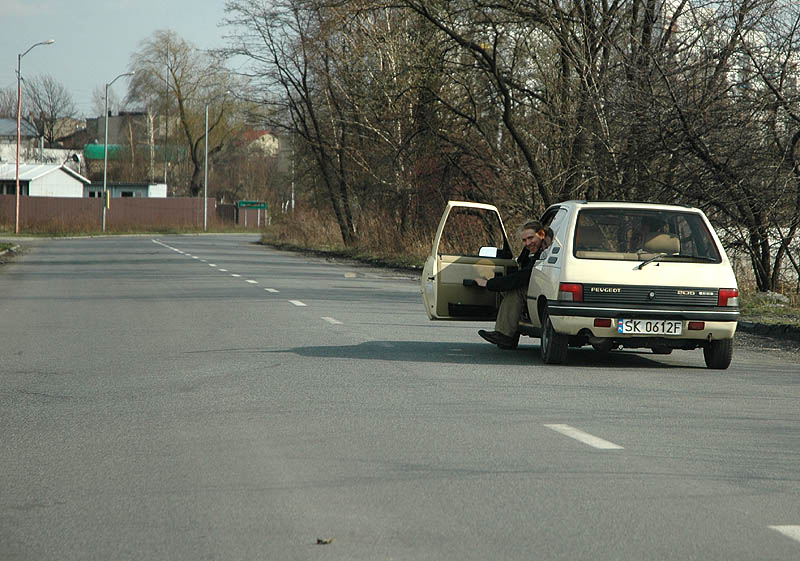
(94, 40)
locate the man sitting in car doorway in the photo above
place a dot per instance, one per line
(514, 287)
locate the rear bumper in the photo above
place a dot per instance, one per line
(573, 318)
(579, 309)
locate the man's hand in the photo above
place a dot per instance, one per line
(481, 282)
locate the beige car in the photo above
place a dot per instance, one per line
(631, 275)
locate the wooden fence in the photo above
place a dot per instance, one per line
(85, 215)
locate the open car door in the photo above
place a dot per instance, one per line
(470, 243)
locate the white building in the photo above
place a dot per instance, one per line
(42, 180)
(123, 189)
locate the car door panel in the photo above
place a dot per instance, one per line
(443, 290)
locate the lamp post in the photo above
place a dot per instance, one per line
(105, 148)
(205, 173)
(19, 122)
(205, 179)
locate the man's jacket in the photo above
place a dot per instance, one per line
(517, 279)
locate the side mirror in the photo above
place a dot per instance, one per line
(490, 252)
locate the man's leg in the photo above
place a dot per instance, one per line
(510, 311)
(505, 334)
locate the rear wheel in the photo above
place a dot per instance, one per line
(718, 354)
(553, 345)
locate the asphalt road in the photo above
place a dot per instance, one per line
(203, 397)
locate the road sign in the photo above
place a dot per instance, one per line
(252, 204)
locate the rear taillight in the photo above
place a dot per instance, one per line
(570, 291)
(728, 297)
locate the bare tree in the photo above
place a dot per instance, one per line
(47, 101)
(288, 46)
(728, 121)
(8, 103)
(115, 103)
(193, 80)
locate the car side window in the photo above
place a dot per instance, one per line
(555, 219)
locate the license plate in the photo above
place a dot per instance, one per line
(649, 326)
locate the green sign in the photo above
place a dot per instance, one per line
(261, 205)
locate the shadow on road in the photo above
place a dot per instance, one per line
(476, 353)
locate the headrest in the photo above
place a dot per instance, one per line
(663, 243)
(591, 237)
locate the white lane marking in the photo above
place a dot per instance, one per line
(195, 257)
(332, 321)
(251, 281)
(297, 303)
(585, 437)
(350, 275)
(788, 531)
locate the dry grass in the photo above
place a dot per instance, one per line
(311, 230)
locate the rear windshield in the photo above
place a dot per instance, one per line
(637, 235)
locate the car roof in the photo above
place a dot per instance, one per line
(625, 204)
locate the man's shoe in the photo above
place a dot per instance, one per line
(499, 339)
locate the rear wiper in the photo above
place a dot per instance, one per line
(700, 257)
(678, 255)
(659, 256)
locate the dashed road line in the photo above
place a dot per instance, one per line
(332, 321)
(584, 437)
(792, 532)
(297, 303)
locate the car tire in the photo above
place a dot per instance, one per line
(718, 353)
(661, 350)
(553, 345)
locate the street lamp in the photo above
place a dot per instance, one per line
(105, 148)
(205, 173)
(205, 179)
(19, 121)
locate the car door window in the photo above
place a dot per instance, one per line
(468, 230)
(554, 219)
